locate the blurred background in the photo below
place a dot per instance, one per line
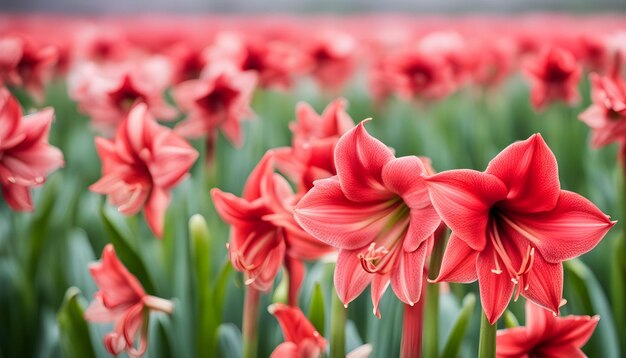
(311, 6)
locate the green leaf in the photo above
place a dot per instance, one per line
(452, 348)
(74, 331)
(206, 320)
(618, 286)
(126, 252)
(585, 285)
(317, 309)
(219, 288)
(40, 224)
(510, 321)
(229, 341)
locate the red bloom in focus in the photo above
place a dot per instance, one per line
(310, 156)
(546, 335)
(122, 300)
(607, 115)
(24, 63)
(377, 212)
(108, 92)
(554, 75)
(301, 338)
(141, 165)
(264, 232)
(512, 226)
(220, 99)
(26, 157)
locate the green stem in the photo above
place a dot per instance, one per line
(487, 341)
(250, 322)
(339, 315)
(431, 315)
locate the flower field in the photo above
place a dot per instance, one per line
(312, 186)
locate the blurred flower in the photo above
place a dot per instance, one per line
(220, 99)
(554, 74)
(264, 234)
(141, 165)
(546, 335)
(122, 301)
(330, 57)
(107, 92)
(301, 338)
(512, 226)
(377, 212)
(310, 156)
(607, 115)
(274, 62)
(26, 157)
(27, 64)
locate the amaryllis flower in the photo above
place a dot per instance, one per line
(377, 212)
(310, 156)
(331, 58)
(301, 338)
(275, 62)
(26, 63)
(220, 99)
(264, 234)
(141, 165)
(107, 92)
(546, 335)
(512, 226)
(554, 75)
(26, 157)
(607, 115)
(122, 300)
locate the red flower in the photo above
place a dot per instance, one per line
(331, 58)
(607, 115)
(141, 165)
(123, 301)
(220, 99)
(512, 226)
(26, 157)
(377, 212)
(546, 335)
(313, 144)
(108, 92)
(301, 338)
(264, 234)
(554, 75)
(24, 63)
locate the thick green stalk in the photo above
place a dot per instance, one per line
(250, 322)
(487, 341)
(339, 314)
(431, 315)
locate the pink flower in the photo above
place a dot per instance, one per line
(310, 156)
(141, 165)
(512, 226)
(301, 338)
(107, 92)
(264, 234)
(331, 57)
(554, 75)
(377, 212)
(220, 99)
(546, 335)
(25, 63)
(26, 157)
(122, 300)
(607, 115)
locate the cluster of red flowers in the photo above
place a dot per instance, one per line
(511, 226)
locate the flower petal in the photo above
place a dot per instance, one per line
(408, 274)
(459, 262)
(463, 199)
(529, 171)
(350, 277)
(359, 159)
(512, 343)
(378, 288)
(545, 284)
(495, 289)
(572, 228)
(155, 209)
